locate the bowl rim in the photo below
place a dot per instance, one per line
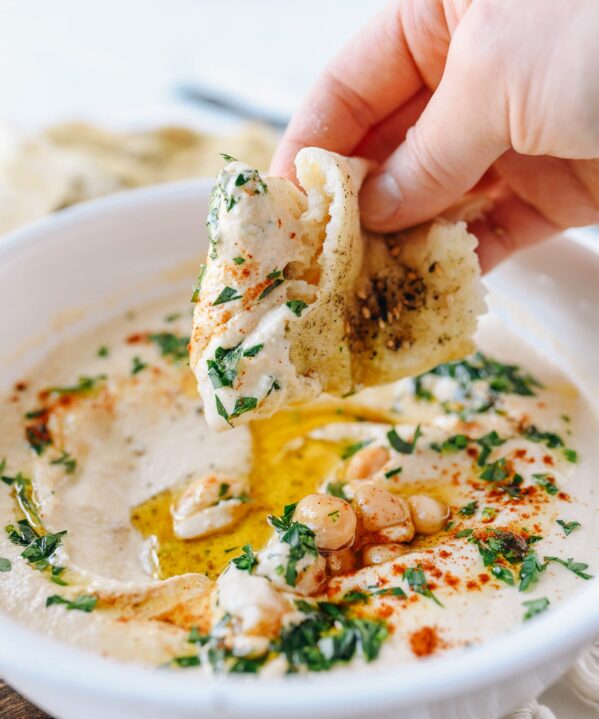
(571, 624)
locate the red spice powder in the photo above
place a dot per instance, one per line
(424, 641)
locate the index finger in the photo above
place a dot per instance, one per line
(371, 77)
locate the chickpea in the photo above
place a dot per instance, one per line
(341, 562)
(332, 520)
(312, 577)
(379, 508)
(379, 553)
(402, 532)
(366, 462)
(428, 514)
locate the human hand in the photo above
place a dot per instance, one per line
(448, 95)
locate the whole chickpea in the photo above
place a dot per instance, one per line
(311, 578)
(366, 462)
(428, 514)
(332, 520)
(341, 562)
(379, 508)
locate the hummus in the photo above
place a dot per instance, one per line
(129, 528)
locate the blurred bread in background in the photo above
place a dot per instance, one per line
(72, 162)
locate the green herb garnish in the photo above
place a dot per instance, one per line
(417, 582)
(400, 445)
(393, 472)
(296, 306)
(137, 365)
(336, 490)
(198, 284)
(69, 462)
(534, 607)
(253, 351)
(82, 603)
(496, 471)
(171, 345)
(468, 510)
(246, 561)
(227, 294)
(103, 351)
(354, 448)
(503, 574)
(568, 527)
(577, 568)
(239, 260)
(547, 482)
(5, 564)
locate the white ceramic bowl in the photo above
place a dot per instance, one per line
(89, 263)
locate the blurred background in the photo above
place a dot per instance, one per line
(95, 96)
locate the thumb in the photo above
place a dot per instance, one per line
(455, 140)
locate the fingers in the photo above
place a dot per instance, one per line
(384, 138)
(456, 139)
(564, 191)
(510, 226)
(371, 77)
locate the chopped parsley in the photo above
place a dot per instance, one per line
(244, 404)
(299, 537)
(570, 455)
(171, 345)
(568, 527)
(400, 445)
(464, 533)
(489, 513)
(530, 571)
(220, 408)
(222, 370)
(239, 260)
(393, 472)
(534, 607)
(246, 561)
(103, 351)
(173, 317)
(503, 574)
(546, 481)
(198, 284)
(354, 448)
(496, 471)
(468, 510)
(83, 386)
(23, 490)
(137, 365)
(577, 568)
(329, 635)
(227, 294)
(37, 432)
(65, 459)
(191, 660)
(336, 490)
(417, 582)
(277, 280)
(487, 443)
(82, 603)
(5, 564)
(296, 306)
(253, 351)
(550, 439)
(452, 444)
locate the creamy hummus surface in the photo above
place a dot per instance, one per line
(395, 524)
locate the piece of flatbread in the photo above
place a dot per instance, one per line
(296, 299)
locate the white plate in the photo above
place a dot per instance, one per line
(104, 256)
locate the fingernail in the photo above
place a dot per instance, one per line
(380, 198)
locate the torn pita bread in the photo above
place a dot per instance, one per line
(296, 299)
